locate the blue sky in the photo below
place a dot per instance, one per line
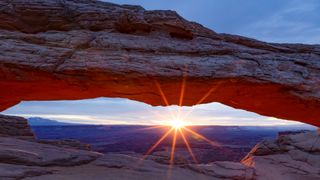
(293, 21)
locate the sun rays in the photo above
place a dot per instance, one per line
(178, 127)
(179, 130)
(158, 142)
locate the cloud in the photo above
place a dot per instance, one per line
(297, 22)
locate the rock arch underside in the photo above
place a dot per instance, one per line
(76, 49)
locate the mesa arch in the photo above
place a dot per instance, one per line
(75, 49)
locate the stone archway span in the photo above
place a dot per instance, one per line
(75, 49)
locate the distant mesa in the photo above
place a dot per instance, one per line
(38, 121)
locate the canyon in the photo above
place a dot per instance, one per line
(290, 156)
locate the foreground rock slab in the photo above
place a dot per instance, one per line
(290, 157)
(122, 167)
(225, 170)
(75, 49)
(16, 151)
(11, 172)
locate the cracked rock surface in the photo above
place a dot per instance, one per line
(291, 156)
(10, 171)
(295, 156)
(16, 151)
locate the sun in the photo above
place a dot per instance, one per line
(177, 123)
(179, 127)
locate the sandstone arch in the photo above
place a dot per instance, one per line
(75, 49)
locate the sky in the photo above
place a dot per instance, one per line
(285, 21)
(294, 21)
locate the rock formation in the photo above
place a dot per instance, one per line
(22, 152)
(295, 160)
(294, 156)
(19, 146)
(291, 156)
(225, 170)
(13, 171)
(67, 143)
(21, 155)
(13, 126)
(75, 49)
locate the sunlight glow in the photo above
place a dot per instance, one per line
(178, 126)
(177, 123)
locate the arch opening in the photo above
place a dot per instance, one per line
(122, 111)
(168, 134)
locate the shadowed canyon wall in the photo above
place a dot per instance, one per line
(12, 126)
(75, 49)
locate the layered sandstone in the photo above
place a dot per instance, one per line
(75, 49)
(14, 126)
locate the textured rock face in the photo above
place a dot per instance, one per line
(15, 151)
(19, 146)
(15, 126)
(74, 49)
(67, 143)
(290, 157)
(12, 172)
(225, 170)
